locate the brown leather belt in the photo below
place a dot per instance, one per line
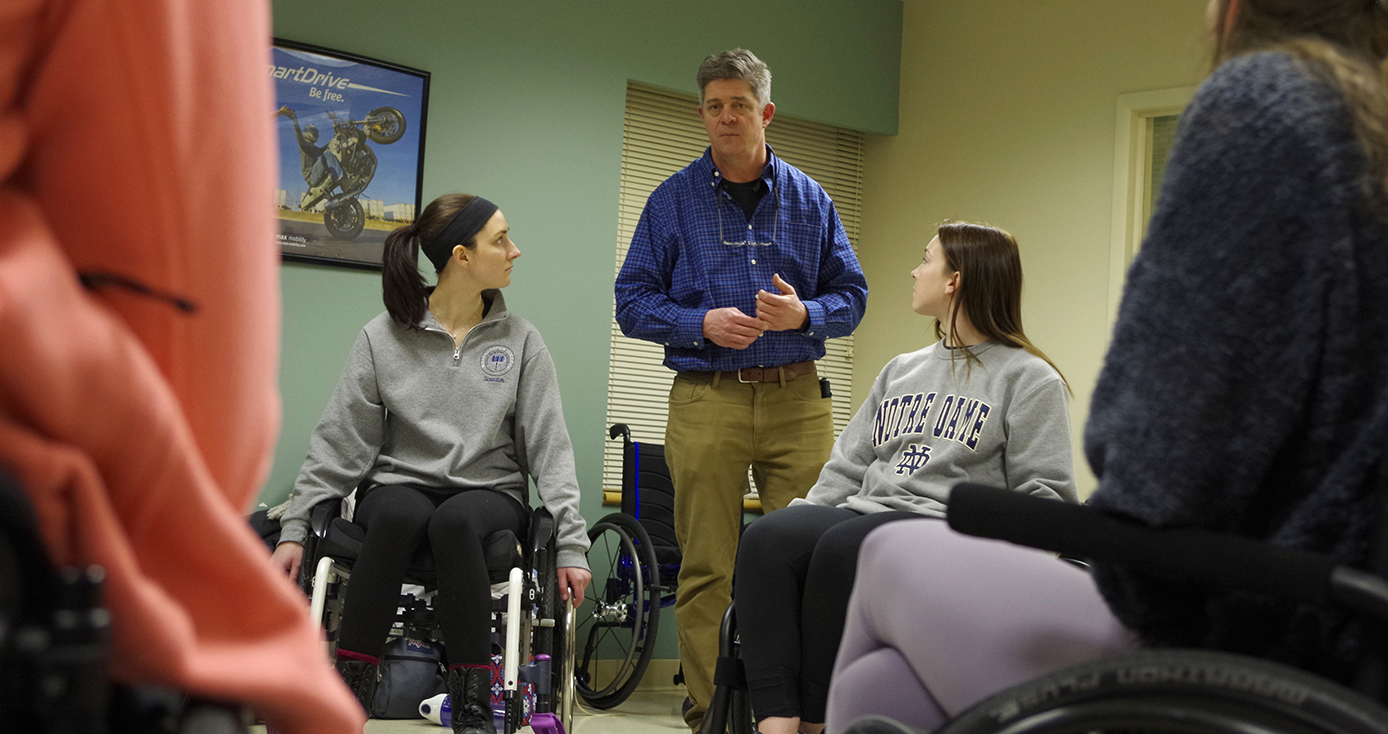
(760, 374)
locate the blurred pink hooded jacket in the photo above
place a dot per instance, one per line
(136, 140)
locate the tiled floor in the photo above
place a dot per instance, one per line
(646, 712)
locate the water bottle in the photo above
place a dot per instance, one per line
(437, 710)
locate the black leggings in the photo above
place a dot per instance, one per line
(397, 520)
(795, 570)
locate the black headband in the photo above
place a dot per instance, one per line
(460, 231)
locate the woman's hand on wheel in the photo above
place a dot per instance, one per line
(570, 577)
(287, 557)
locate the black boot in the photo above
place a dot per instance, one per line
(361, 677)
(470, 695)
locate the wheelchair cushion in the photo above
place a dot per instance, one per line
(343, 540)
(501, 551)
(343, 543)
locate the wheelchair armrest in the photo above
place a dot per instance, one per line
(541, 530)
(1185, 554)
(321, 516)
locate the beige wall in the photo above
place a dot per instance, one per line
(1007, 116)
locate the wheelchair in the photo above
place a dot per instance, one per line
(1194, 691)
(635, 561)
(1175, 690)
(533, 625)
(1149, 691)
(53, 648)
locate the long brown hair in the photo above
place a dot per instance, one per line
(1346, 41)
(402, 287)
(990, 286)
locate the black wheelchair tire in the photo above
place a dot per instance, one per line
(1184, 691)
(631, 536)
(740, 716)
(549, 640)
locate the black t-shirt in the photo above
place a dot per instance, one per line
(747, 195)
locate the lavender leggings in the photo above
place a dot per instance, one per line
(938, 621)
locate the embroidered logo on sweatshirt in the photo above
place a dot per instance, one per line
(914, 457)
(497, 361)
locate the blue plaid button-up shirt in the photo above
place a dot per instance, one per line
(694, 250)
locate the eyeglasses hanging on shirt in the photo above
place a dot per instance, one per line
(775, 223)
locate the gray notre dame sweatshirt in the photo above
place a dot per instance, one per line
(412, 409)
(932, 422)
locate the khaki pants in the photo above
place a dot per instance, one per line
(718, 427)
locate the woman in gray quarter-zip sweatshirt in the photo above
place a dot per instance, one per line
(448, 405)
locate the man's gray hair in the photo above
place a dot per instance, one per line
(739, 64)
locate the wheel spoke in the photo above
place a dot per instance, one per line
(618, 628)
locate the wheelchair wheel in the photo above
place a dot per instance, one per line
(616, 625)
(1182, 691)
(550, 640)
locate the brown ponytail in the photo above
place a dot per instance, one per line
(402, 287)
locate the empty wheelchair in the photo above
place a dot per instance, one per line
(635, 562)
(529, 620)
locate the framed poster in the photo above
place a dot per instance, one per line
(351, 143)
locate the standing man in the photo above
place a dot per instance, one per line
(741, 269)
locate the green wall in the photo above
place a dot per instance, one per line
(525, 108)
